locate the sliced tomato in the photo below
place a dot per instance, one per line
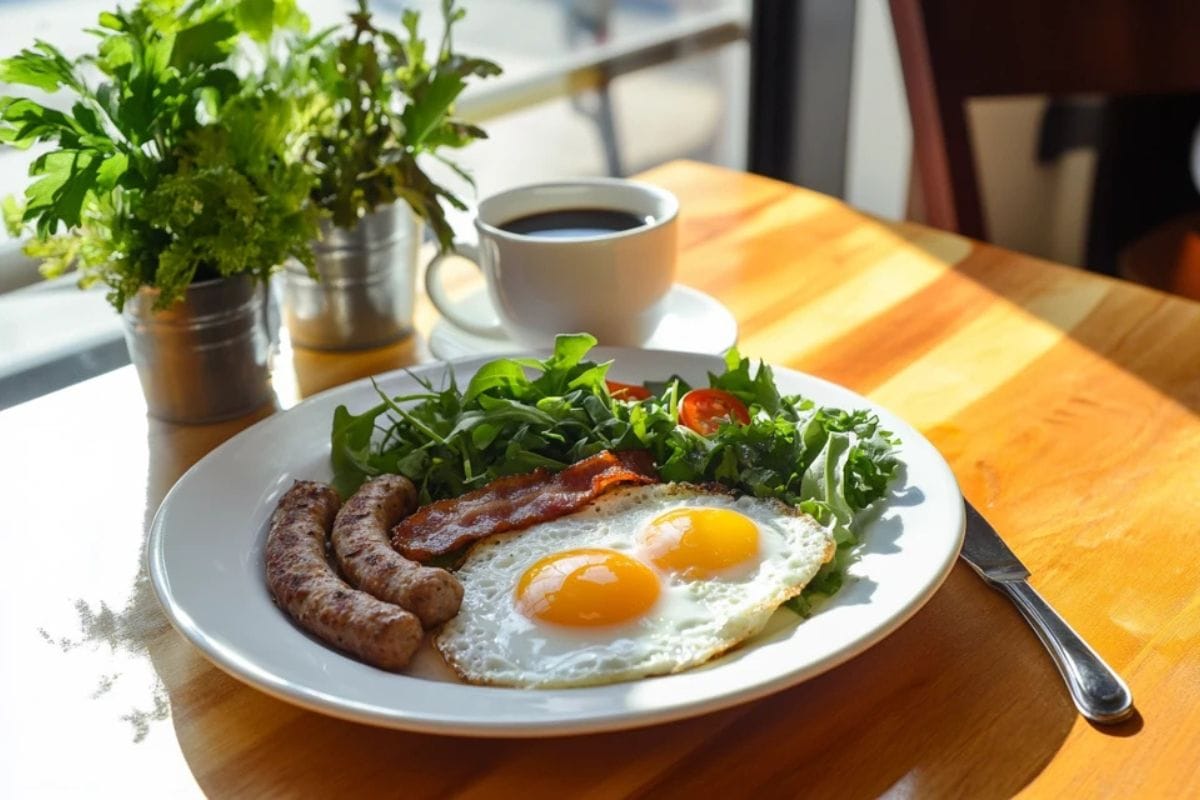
(627, 391)
(703, 410)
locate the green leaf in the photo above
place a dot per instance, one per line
(429, 106)
(503, 409)
(754, 388)
(413, 465)
(592, 379)
(111, 21)
(86, 120)
(569, 350)
(224, 82)
(203, 44)
(766, 396)
(466, 67)
(110, 171)
(483, 435)
(57, 254)
(824, 480)
(115, 55)
(13, 213)
(43, 67)
(350, 442)
(256, 17)
(57, 196)
(25, 122)
(502, 373)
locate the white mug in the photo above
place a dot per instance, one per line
(609, 284)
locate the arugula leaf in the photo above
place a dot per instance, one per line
(497, 374)
(565, 366)
(351, 448)
(569, 351)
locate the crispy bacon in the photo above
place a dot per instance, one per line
(517, 501)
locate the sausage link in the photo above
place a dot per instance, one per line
(304, 584)
(366, 556)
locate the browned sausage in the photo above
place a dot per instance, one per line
(366, 556)
(304, 584)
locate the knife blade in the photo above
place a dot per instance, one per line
(987, 553)
(1097, 691)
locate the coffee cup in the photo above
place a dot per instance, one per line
(594, 255)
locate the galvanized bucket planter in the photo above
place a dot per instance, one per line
(364, 297)
(205, 358)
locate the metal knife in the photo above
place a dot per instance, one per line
(1098, 692)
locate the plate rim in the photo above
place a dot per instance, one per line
(280, 687)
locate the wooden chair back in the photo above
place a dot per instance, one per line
(952, 50)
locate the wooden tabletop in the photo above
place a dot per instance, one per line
(1066, 404)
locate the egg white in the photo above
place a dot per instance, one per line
(491, 642)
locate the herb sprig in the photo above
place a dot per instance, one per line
(519, 414)
(379, 101)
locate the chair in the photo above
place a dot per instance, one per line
(952, 50)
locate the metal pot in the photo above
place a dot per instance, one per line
(205, 358)
(364, 297)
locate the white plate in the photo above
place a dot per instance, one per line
(206, 562)
(692, 321)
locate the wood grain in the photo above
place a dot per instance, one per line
(1066, 404)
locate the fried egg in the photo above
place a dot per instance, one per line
(644, 581)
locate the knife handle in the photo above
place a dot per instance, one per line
(1098, 692)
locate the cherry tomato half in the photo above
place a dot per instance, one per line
(703, 410)
(627, 391)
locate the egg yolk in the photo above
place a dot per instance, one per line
(699, 542)
(586, 587)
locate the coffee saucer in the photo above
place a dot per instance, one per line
(692, 321)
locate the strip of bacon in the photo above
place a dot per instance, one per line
(517, 501)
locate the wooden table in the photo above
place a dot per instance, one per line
(1066, 404)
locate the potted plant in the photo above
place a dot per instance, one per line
(169, 180)
(377, 101)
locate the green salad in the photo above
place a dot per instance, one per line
(518, 414)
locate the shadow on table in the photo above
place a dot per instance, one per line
(137, 626)
(962, 701)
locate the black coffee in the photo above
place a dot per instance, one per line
(574, 223)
